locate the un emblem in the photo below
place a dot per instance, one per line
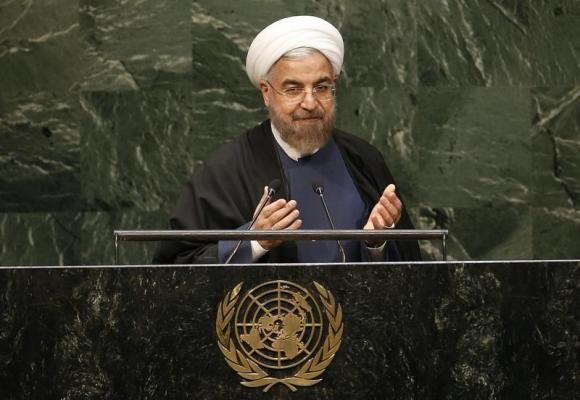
(279, 326)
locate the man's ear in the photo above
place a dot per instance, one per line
(265, 89)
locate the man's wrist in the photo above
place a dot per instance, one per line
(257, 250)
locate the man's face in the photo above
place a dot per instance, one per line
(305, 125)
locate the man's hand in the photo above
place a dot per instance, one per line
(386, 213)
(278, 215)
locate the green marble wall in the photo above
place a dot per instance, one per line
(106, 107)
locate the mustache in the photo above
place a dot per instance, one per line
(314, 114)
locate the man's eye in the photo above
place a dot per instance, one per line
(322, 88)
(293, 91)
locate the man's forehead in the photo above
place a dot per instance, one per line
(301, 81)
(313, 67)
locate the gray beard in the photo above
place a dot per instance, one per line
(308, 137)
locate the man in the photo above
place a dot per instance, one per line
(295, 63)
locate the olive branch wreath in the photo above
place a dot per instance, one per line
(253, 374)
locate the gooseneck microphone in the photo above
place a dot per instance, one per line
(273, 187)
(319, 189)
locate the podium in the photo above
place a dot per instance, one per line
(427, 330)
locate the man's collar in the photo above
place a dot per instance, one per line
(290, 151)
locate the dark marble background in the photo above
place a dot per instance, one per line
(106, 107)
(430, 332)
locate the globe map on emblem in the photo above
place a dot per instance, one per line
(278, 324)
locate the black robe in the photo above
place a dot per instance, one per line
(223, 193)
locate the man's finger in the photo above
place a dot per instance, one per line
(386, 211)
(390, 189)
(282, 212)
(287, 220)
(394, 200)
(273, 208)
(389, 214)
(378, 221)
(390, 207)
(295, 225)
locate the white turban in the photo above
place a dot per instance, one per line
(288, 34)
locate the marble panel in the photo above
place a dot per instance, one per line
(39, 48)
(97, 240)
(473, 42)
(136, 44)
(379, 37)
(556, 146)
(75, 318)
(137, 148)
(556, 233)
(473, 147)
(39, 238)
(219, 115)
(491, 233)
(39, 138)
(222, 32)
(39, 153)
(555, 42)
(457, 330)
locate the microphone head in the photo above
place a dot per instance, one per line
(274, 186)
(318, 187)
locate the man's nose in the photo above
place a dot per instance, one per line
(309, 102)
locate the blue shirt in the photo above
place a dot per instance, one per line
(345, 205)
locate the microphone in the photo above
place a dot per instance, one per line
(319, 189)
(273, 187)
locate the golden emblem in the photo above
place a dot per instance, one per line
(277, 326)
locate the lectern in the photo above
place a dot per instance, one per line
(428, 330)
